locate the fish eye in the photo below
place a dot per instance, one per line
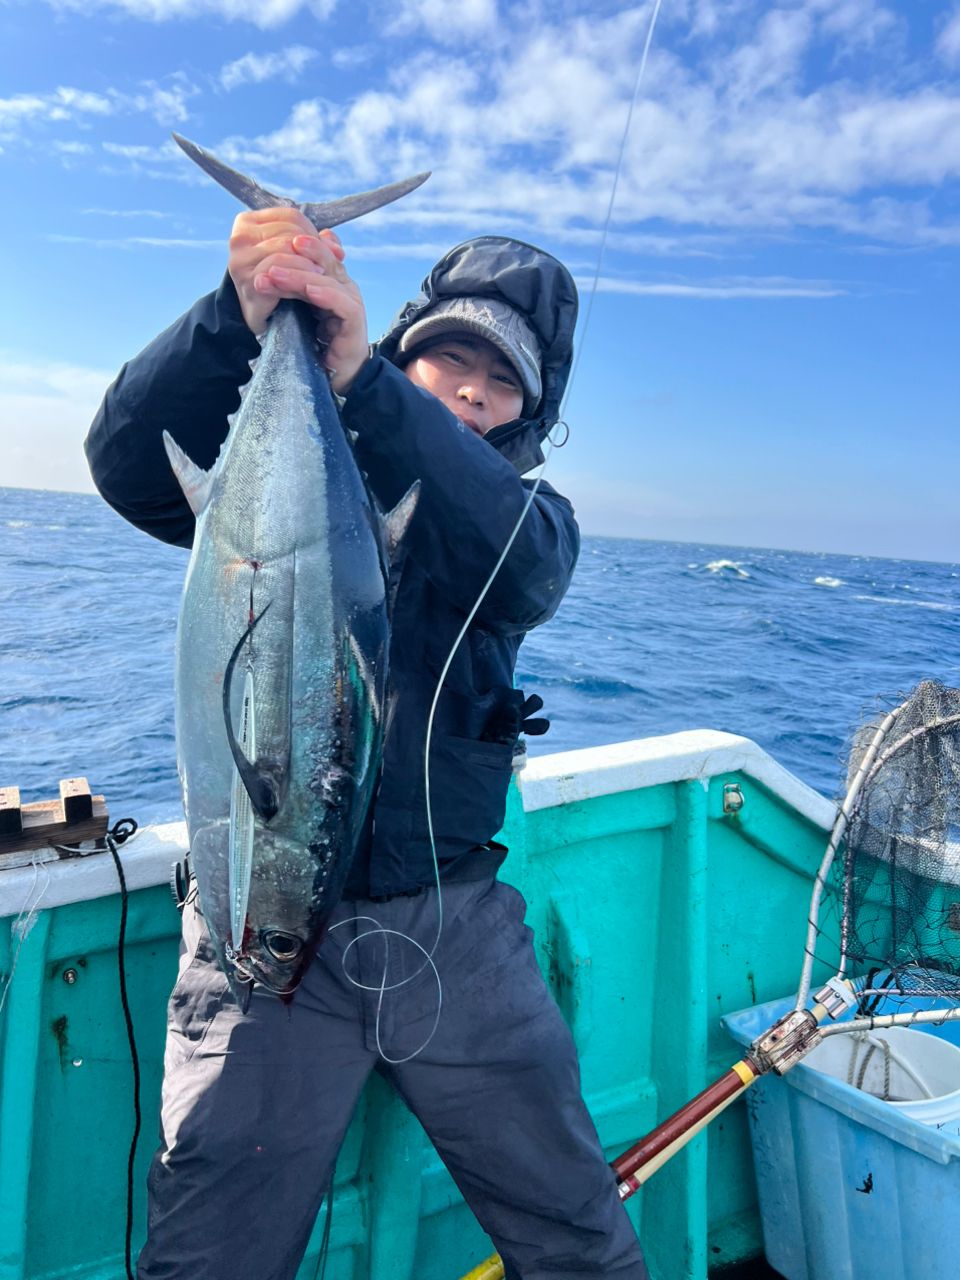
(282, 946)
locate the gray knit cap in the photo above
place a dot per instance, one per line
(491, 319)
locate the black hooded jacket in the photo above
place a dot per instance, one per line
(187, 381)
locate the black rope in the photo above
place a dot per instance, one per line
(122, 830)
(323, 1255)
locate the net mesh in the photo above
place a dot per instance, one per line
(897, 880)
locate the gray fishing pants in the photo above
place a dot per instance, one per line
(255, 1106)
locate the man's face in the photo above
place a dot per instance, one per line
(472, 378)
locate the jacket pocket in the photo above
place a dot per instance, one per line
(468, 787)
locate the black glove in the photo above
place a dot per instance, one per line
(537, 725)
(512, 717)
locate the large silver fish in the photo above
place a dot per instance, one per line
(282, 646)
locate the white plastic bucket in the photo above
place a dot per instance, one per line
(915, 1072)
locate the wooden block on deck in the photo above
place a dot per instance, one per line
(44, 825)
(10, 823)
(76, 799)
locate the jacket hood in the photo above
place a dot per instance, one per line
(533, 283)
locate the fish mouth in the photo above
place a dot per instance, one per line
(276, 960)
(282, 982)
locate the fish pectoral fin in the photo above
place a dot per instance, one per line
(196, 483)
(264, 778)
(266, 783)
(397, 522)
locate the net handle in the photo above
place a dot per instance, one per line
(932, 1017)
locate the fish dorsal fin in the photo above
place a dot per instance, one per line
(396, 522)
(328, 213)
(196, 483)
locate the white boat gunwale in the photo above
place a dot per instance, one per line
(547, 781)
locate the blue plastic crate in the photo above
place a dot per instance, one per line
(849, 1188)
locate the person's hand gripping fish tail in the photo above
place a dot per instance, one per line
(284, 250)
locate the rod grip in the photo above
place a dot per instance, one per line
(683, 1124)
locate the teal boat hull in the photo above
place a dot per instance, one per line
(655, 912)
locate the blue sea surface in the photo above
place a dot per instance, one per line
(787, 648)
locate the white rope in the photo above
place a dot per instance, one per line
(24, 922)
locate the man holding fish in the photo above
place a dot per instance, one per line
(455, 400)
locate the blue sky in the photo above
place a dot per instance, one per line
(772, 354)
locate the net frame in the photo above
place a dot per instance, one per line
(906, 749)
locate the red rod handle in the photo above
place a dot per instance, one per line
(666, 1134)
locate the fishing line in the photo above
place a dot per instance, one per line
(25, 920)
(531, 496)
(383, 986)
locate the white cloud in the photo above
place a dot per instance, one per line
(526, 132)
(857, 22)
(447, 21)
(852, 23)
(737, 131)
(138, 242)
(46, 379)
(67, 105)
(262, 13)
(166, 103)
(126, 213)
(773, 59)
(254, 68)
(139, 151)
(948, 41)
(352, 56)
(60, 105)
(718, 289)
(428, 251)
(709, 18)
(45, 410)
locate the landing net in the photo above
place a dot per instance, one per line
(892, 867)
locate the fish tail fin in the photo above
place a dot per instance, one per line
(330, 213)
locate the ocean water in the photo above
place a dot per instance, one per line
(786, 648)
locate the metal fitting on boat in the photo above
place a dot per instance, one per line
(732, 797)
(69, 976)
